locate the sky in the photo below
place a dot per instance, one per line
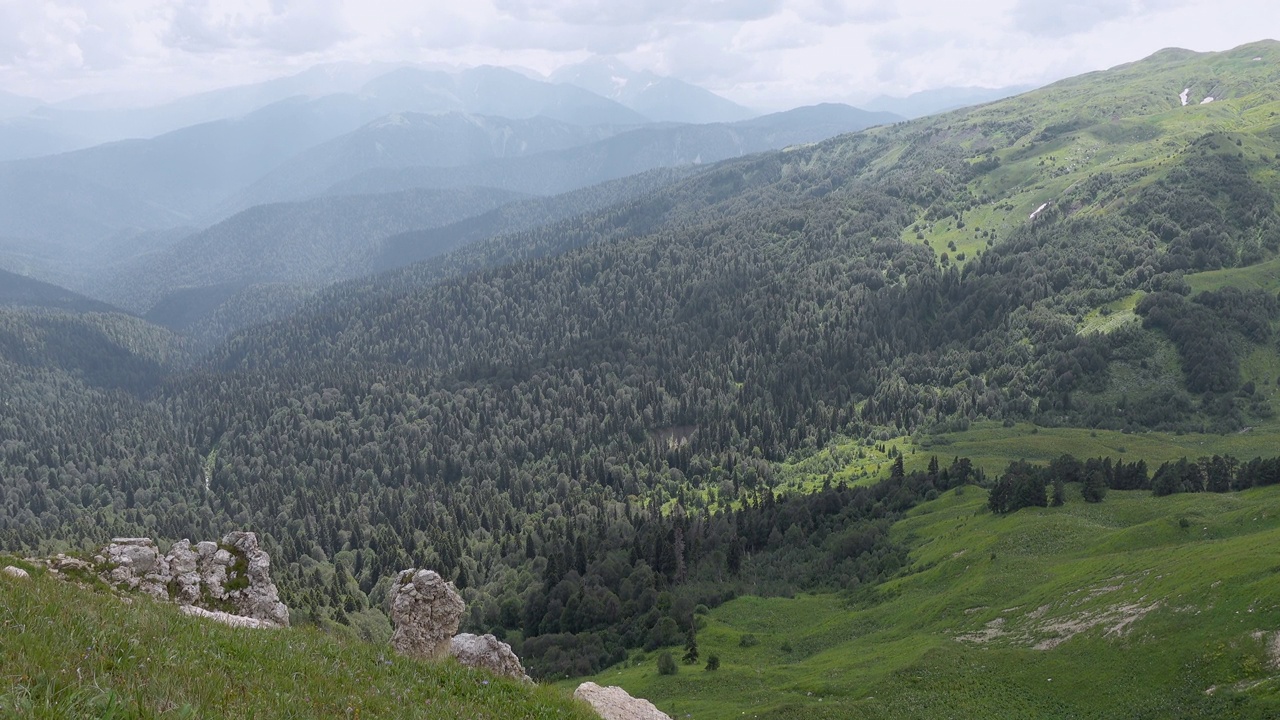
(766, 54)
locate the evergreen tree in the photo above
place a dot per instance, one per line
(690, 647)
(1095, 486)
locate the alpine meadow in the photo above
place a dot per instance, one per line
(823, 413)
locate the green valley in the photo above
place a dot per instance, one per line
(1135, 607)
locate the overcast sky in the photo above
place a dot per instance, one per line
(766, 54)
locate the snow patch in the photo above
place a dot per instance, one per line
(1183, 96)
(1207, 100)
(1037, 211)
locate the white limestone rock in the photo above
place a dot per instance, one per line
(236, 621)
(426, 611)
(232, 578)
(136, 564)
(16, 573)
(613, 703)
(486, 652)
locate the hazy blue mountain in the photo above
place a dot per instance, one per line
(365, 91)
(21, 291)
(930, 102)
(11, 104)
(450, 140)
(84, 196)
(627, 153)
(495, 91)
(658, 98)
(307, 244)
(28, 136)
(417, 245)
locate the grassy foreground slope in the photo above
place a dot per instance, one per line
(1137, 607)
(66, 652)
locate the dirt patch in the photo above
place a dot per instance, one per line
(1103, 591)
(993, 630)
(1116, 620)
(1036, 631)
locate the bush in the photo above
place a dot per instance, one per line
(748, 640)
(713, 662)
(667, 664)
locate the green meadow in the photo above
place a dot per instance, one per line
(1137, 607)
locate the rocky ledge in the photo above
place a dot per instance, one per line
(227, 581)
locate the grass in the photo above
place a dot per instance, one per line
(66, 652)
(1202, 600)
(991, 445)
(1128, 122)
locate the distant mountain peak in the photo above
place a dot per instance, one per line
(659, 98)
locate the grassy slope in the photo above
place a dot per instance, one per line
(1211, 587)
(1128, 121)
(66, 652)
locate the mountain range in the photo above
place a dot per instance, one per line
(954, 412)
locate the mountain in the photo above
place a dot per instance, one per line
(44, 129)
(732, 386)
(658, 98)
(363, 91)
(626, 153)
(16, 290)
(497, 91)
(930, 102)
(11, 104)
(450, 140)
(309, 243)
(163, 182)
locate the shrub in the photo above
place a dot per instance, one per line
(713, 662)
(748, 640)
(667, 664)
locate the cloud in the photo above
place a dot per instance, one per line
(1042, 18)
(765, 53)
(285, 26)
(637, 12)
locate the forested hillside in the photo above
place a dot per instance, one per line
(561, 417)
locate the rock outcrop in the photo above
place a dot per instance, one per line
(426, 611)
(231, 578)
(613, 703)
(486, 652)
(18, 573)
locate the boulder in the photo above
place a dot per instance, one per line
(426, 611)
(486, 652)
(613, 703)
(17, 573)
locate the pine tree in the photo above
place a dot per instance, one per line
(691, 647)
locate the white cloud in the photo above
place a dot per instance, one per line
(766, 53)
